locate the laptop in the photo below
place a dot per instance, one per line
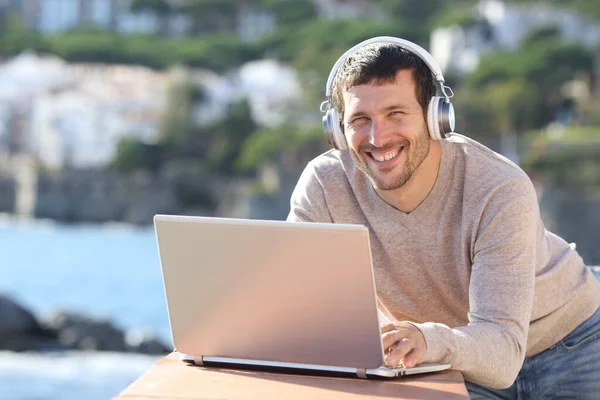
(273, 295)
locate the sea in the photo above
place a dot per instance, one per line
(103, 271)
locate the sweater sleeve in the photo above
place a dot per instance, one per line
(490, 350)
(308, 202)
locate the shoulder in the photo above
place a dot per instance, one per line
(328, 170)
(485, 175)
(321, 187)
(481, 167)
(483, 161)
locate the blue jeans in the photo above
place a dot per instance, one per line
(568, 370)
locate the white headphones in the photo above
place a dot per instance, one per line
(440, 112)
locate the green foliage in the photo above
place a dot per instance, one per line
(323, 41)
(515, 105)
(176, 123)
(564, 136)
(146, 50)
(218, 52)
(503, 107)
(14, 38)
(523, 86)
(568, 167)
(190, 179)
(133, 154)
(474, 114)
(541, 35)
(421, 17)
(87, 46)
(227, 137)
(268, 145)
(313, 48)
(565, 157)
(261, 146)
(463, 15)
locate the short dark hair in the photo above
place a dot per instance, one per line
(380, 63)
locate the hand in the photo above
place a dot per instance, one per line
(404, 344)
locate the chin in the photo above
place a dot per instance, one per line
(385, 185)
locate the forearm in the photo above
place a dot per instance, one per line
(491, 348)
(486, 353)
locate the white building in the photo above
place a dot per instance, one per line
(272, 89)
(82, 125)
(76, 113)
(504, 26)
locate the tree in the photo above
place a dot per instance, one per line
(218, 53)
(421, 17)
(541, 66)
(14, 37)
(227, 138)
(176, 123)
(132, 155)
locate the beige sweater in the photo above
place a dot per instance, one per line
(472, 266)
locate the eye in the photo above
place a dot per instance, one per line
(358, 120)
(396, 113)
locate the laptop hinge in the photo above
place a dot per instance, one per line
(198, 360)
(361, 373)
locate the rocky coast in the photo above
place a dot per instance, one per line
(22, 331)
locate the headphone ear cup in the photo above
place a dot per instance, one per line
(440, 118)
(433, 118)
(334, 134)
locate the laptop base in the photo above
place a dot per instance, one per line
(312, 369)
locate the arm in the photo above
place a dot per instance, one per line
(308, 202)
(490, 350)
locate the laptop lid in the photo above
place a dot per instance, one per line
(270, 290)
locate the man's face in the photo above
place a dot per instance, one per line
(386, 130)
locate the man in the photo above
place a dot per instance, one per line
(462, 261)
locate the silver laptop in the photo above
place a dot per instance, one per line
(273, 294)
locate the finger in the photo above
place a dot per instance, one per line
(391, 326)
(414, 357)
(403, 347)
(389, 338)
(387, 327)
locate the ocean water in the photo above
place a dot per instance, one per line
(69, 376)
(109, 271)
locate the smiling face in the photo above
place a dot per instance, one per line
(386, 129)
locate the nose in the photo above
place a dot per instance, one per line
(380, 133)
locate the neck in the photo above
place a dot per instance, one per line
(419, 185)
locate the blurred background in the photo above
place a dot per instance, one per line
(114, 110)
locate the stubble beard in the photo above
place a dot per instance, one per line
(415, 155)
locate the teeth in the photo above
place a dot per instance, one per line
(385, 157)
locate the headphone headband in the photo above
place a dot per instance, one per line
(440, 111)
(405, 44)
